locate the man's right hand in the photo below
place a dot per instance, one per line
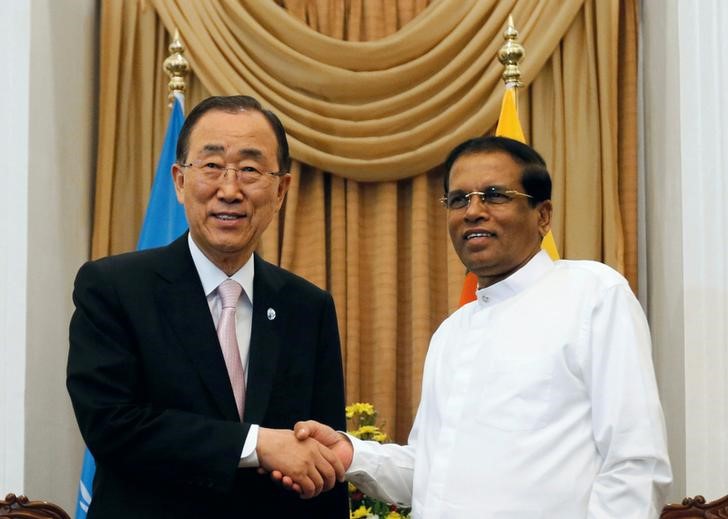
(309, 466)
(338, 443)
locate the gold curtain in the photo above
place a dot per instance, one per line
(373, 94)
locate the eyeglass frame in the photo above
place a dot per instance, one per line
(239, 171)
(510, 194)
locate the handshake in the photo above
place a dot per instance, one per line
(308, 460)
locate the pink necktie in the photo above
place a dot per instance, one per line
(229, 291)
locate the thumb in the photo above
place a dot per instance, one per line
(303, 430)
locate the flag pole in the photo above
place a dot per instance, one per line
(509, 125)
(164, 219)
(177, 67)
(510, 55)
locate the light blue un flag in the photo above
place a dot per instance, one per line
(163, 222)
(165, 219)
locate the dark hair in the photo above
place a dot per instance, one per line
(534, 175)
(233, 104)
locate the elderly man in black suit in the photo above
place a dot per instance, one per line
(184, 396)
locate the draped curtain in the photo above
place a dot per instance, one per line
(373, 94)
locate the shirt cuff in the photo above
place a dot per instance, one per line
(249, 456)
(356, 461)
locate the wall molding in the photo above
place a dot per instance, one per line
(704, 143)
(14, 107)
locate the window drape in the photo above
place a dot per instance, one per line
(373, 94)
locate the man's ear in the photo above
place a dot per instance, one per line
(178, 177)
(284, 182)
(544, 217)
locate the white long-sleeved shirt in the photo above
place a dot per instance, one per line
(539, 400)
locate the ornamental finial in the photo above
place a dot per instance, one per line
(510, 55)
(176, 66)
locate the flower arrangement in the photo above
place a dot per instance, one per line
(362, 423)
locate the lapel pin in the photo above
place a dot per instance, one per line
(271, 314)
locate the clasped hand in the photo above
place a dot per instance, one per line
(308, 460)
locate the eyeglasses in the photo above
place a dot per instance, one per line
(214, 171)
(491, 196)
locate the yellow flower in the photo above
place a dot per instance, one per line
(360, 512)
(361, 419)
(380, 437)
(359, 408)
(367, 429)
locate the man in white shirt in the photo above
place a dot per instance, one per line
(539, 398)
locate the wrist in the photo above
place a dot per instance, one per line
(347, 451)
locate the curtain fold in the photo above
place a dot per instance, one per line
(374, 93)
(348, 114)
(628, 136)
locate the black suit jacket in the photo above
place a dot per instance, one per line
(153, 400)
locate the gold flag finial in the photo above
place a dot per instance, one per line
(176, 66)
(510, 55)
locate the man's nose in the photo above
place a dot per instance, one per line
(229, 188)
(476, 209)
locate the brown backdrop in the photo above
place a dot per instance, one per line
(374, 93)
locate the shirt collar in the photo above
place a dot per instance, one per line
(211, 276)
(521, 279)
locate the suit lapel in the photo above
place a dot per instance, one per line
(268, 321)
(188, 314)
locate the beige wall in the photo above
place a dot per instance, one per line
(60, 117)
(685, 132)
(62, 136)
(661, 148)
(14, 100)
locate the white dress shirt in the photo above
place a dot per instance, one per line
(211, 277)
(539, 400)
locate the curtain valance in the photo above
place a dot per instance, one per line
(377, 110)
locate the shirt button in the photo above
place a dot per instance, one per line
(485, 299)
